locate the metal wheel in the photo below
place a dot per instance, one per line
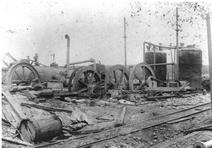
(101, 69)
(70, 82)
(138, 76)
(86, 80)
(21, 72)
(117, 77)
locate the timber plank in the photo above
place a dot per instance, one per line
(14, 102)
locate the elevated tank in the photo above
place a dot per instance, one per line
(160, 57)
(190, 66)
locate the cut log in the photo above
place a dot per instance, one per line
(34, 130)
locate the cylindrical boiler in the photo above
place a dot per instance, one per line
(190, 66)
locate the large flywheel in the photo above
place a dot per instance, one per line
(71, 79)
(21, 73)
(117, 77)
(139, 75)
(85, 79)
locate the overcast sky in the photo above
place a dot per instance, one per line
(95, 28)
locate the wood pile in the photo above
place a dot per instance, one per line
(36, 120)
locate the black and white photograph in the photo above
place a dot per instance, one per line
(106, 73)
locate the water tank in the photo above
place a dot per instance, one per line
(160, 57)
(190, 66)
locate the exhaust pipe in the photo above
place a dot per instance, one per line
(68, 51)
(207, 144)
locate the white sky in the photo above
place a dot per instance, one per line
(95, 28)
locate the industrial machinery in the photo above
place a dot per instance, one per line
(82, 79)
(91, 78)
(139, 75)
(154, 73)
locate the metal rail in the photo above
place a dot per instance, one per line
(137, 129)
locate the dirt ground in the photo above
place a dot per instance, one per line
(170, 134)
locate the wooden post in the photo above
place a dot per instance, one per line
(144, 58)
(68, 52)
(177, 47)
(209, 52)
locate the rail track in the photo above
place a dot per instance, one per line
(95, 138)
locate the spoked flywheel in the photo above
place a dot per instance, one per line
(86, 79)
(21, 73)
(139, 75)
(117, 77)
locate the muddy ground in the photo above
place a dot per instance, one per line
(170, 134)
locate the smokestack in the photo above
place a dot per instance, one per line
(68, 51)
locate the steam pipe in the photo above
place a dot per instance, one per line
(68, 51)
(161, 64)
(85, 61)
(167, 47)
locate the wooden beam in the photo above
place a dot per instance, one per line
(209, 52)
(16, 141)
(14, 105)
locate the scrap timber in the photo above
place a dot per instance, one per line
(82, 131)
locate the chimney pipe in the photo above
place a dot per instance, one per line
(68, 51)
